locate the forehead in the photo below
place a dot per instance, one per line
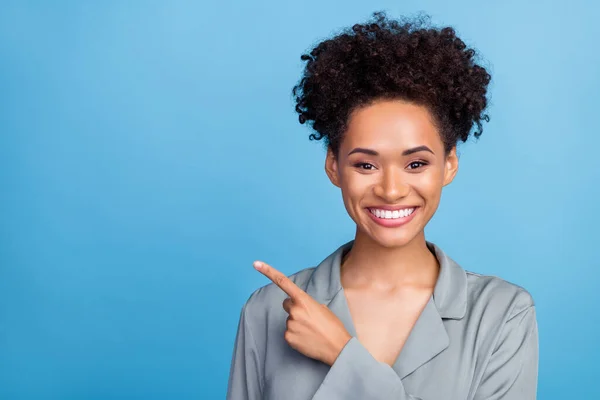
(391, 124)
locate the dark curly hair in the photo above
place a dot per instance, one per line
(392, 59)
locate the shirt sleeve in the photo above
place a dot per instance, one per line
(512, 371)
(356, 374)
(245, 378)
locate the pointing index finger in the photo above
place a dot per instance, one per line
(279, 278)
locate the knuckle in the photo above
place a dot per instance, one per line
(302, 305)
(294, 313)
(279, 279)
(291, 324)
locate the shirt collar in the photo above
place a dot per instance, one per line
(449, 294)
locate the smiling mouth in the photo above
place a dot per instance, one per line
(399, 213)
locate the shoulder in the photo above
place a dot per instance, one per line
(501, 312)
(504, 315)
(497, 296)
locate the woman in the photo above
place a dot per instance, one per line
(388, 315)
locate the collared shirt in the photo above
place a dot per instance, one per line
(476, 339)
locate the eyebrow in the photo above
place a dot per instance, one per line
(406, 152)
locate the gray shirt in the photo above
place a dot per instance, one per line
(475, 339)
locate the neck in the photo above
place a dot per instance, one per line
(369, 265)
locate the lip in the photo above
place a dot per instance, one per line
(392, 223)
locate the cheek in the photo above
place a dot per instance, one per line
(429, 185)
(356, 186)
(354, 189)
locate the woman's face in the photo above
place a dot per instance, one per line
(391, 168)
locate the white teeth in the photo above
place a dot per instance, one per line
(388, 214)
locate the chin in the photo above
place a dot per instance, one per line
(393, 241)
(388, 238)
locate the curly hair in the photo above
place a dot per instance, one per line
(392, 59)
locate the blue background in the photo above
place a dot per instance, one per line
(149, 152)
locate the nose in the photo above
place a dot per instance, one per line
(392, 187)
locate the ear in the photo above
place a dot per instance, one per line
(331, 167)
(451, 166)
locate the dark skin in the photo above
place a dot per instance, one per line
(392, 156)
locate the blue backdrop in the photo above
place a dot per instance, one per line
(149, 152)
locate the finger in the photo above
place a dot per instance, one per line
(291, 325)
(280, 280)
(287, 304)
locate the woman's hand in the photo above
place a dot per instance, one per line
(312, 328)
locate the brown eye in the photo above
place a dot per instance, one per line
(416, 164)
(365, 166)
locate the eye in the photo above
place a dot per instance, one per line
(364, 166)
(416, 164)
